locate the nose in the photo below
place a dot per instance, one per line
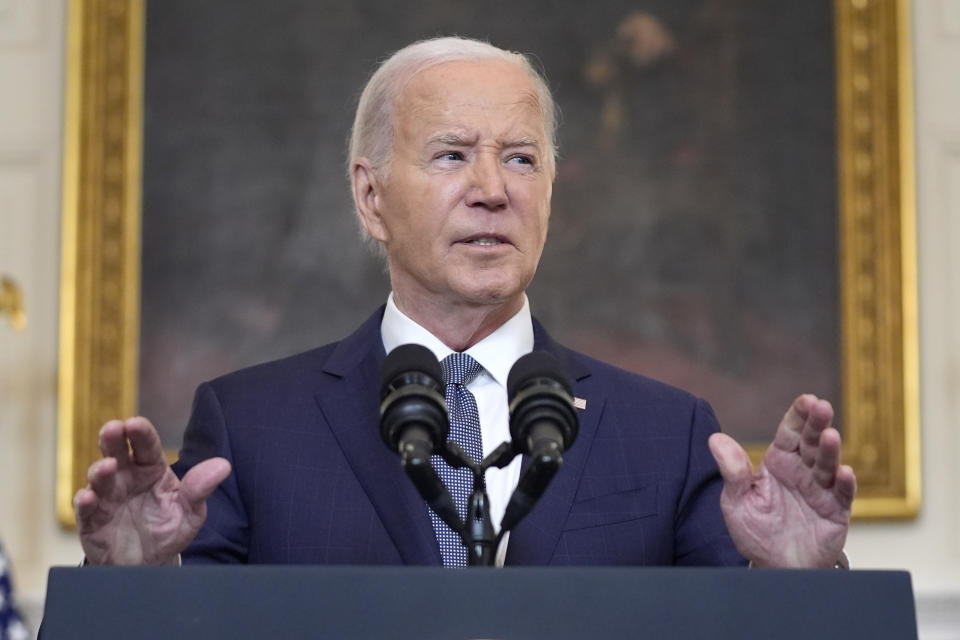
(488, 188)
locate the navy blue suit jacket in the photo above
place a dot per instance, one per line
(312, 481)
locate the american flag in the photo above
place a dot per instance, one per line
(11, 623)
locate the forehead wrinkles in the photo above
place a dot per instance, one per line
(506, 122)
(439, 100)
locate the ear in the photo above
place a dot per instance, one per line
(367, 187)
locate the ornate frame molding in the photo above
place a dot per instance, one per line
(100, 269)
(100, 285)
(878, 255)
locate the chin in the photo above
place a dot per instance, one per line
(491, 285)
(492, 293)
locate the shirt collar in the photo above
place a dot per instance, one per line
(496, 353)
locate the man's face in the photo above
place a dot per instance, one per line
(463, 213)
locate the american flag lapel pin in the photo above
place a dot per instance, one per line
(580, 403)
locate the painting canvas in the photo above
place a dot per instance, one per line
(694, 228)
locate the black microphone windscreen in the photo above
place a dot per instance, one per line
(410, 357)
(536, 364)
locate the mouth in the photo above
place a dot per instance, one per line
(484, 240)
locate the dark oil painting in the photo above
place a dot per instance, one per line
(693, 235)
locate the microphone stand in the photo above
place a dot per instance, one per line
(477, 534)
(543, 422)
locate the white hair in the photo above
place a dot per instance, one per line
(372, 133)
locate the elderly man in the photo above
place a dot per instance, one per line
(451, 165)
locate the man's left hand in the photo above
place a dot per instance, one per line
(795, 510)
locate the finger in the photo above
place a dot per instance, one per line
(102, 476)
(85, 504)
(819, 418)
(845, 487)
(88, 510)
(827, 459)
(787, 437)
(144, 441)
(733, 462)
(197, 485)
(112, 442)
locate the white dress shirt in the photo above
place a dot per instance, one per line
(496, 354)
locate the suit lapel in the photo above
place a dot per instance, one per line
(534, 540)
(348, 397)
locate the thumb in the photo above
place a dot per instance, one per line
(733, 462)
(201, 480)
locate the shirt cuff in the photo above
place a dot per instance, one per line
(174, 562)
(843, 562)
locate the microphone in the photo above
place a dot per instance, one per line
(543, 424)
(414, 422)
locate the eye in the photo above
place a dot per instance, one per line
(521, 159)
(450, 156)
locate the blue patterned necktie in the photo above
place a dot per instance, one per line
(459, 370)
(11, 624)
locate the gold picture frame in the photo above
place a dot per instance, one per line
(101, 244)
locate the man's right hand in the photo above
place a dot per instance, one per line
(135, 510)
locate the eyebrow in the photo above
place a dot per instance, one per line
(450, 139)
(455, 140)
(523, 142)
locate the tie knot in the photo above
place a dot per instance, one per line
(460, 368)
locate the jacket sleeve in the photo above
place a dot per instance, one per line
(224, 537)
(702, 538)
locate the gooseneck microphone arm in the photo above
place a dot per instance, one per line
(476, 533)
